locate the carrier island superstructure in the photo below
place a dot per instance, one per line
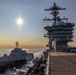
(60, 32)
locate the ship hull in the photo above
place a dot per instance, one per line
(11, 64)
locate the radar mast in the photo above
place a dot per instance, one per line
(55, 11)
(17, 44)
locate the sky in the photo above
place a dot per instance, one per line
(30, 35)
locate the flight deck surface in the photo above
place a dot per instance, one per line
(62, 63)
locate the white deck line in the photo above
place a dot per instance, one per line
(47, 67)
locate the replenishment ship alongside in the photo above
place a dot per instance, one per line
(60, 33)
(16, 57)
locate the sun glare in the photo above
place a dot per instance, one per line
(19, 22)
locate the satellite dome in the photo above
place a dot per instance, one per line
(59, 23)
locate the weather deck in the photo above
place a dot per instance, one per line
(62, 63)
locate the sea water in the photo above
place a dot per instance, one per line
(37, 54)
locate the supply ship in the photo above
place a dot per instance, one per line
(16, 58)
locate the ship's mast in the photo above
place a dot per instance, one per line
(17, 44)
(55, 11)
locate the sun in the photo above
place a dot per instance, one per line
(19, 21)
